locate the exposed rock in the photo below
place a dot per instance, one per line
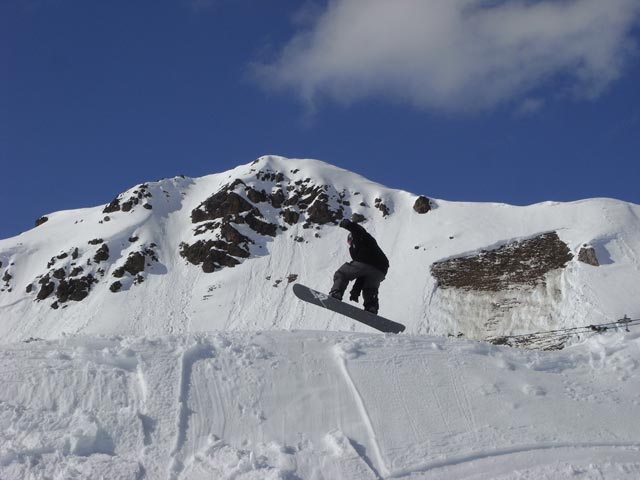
(115, 286)
(382, 207)
(120, 204)
(206, 254)
(76, 271)
(258, 226)
(291, 217)
(96, 241)
(532, 342)
(75, 289)
(277, 199)
(220, 205)
(320, 213)
(229, 206)
(233, 237)
(206, 227)
(588, 255)
(46, 289)
(135, 263)
(41, 220)
(270, 176)
(522, 263)
(422, 205)
(307, 194)
(114, 206)
(256, 196)
(102, 254)
(59, 273)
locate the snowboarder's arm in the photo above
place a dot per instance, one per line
(358, 232)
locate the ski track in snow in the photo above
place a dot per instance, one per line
(373, 441)
(199, 351)
(318, 405)
(521, 457)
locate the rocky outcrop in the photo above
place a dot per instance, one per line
(134, 266)
(46, 288)
(245, 205)
(75, 289)
(41, 220)
(588, 255)
(67, 280)
(126, 202)
(521, 263)
(102, 255)
(208, 254)
(6, 278)
(380, 205)
(498, 289)
(422, 205)
(225, 204)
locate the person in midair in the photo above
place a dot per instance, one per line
(368, 268)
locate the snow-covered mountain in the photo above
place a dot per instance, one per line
(157, 337)
(220, 253)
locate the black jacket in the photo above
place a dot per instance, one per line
(364, 247)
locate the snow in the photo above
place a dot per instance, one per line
(227, 375)
(318, 405)
(204, 302)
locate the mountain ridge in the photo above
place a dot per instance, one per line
(183, 254)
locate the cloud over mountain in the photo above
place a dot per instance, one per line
(456, 55)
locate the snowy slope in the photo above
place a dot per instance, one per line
(174, 296)
(155, 367)
(313, 405)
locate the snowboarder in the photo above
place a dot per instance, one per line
(369, 268)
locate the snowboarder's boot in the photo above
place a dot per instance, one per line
(370, 296)
(337, 294)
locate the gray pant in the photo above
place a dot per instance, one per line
(371, 278)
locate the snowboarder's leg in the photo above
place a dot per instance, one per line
(370, 290)
(371, 303)
(357, 289)
(347, 272)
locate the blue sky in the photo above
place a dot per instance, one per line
(468, 100)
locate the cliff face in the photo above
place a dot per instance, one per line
(520, 264)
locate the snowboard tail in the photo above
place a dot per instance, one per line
(325, 301)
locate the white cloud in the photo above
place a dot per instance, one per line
(455, 55)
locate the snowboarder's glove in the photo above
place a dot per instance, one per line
(344, 223)
(354, 296)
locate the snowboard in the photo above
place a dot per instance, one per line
(322, 300)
